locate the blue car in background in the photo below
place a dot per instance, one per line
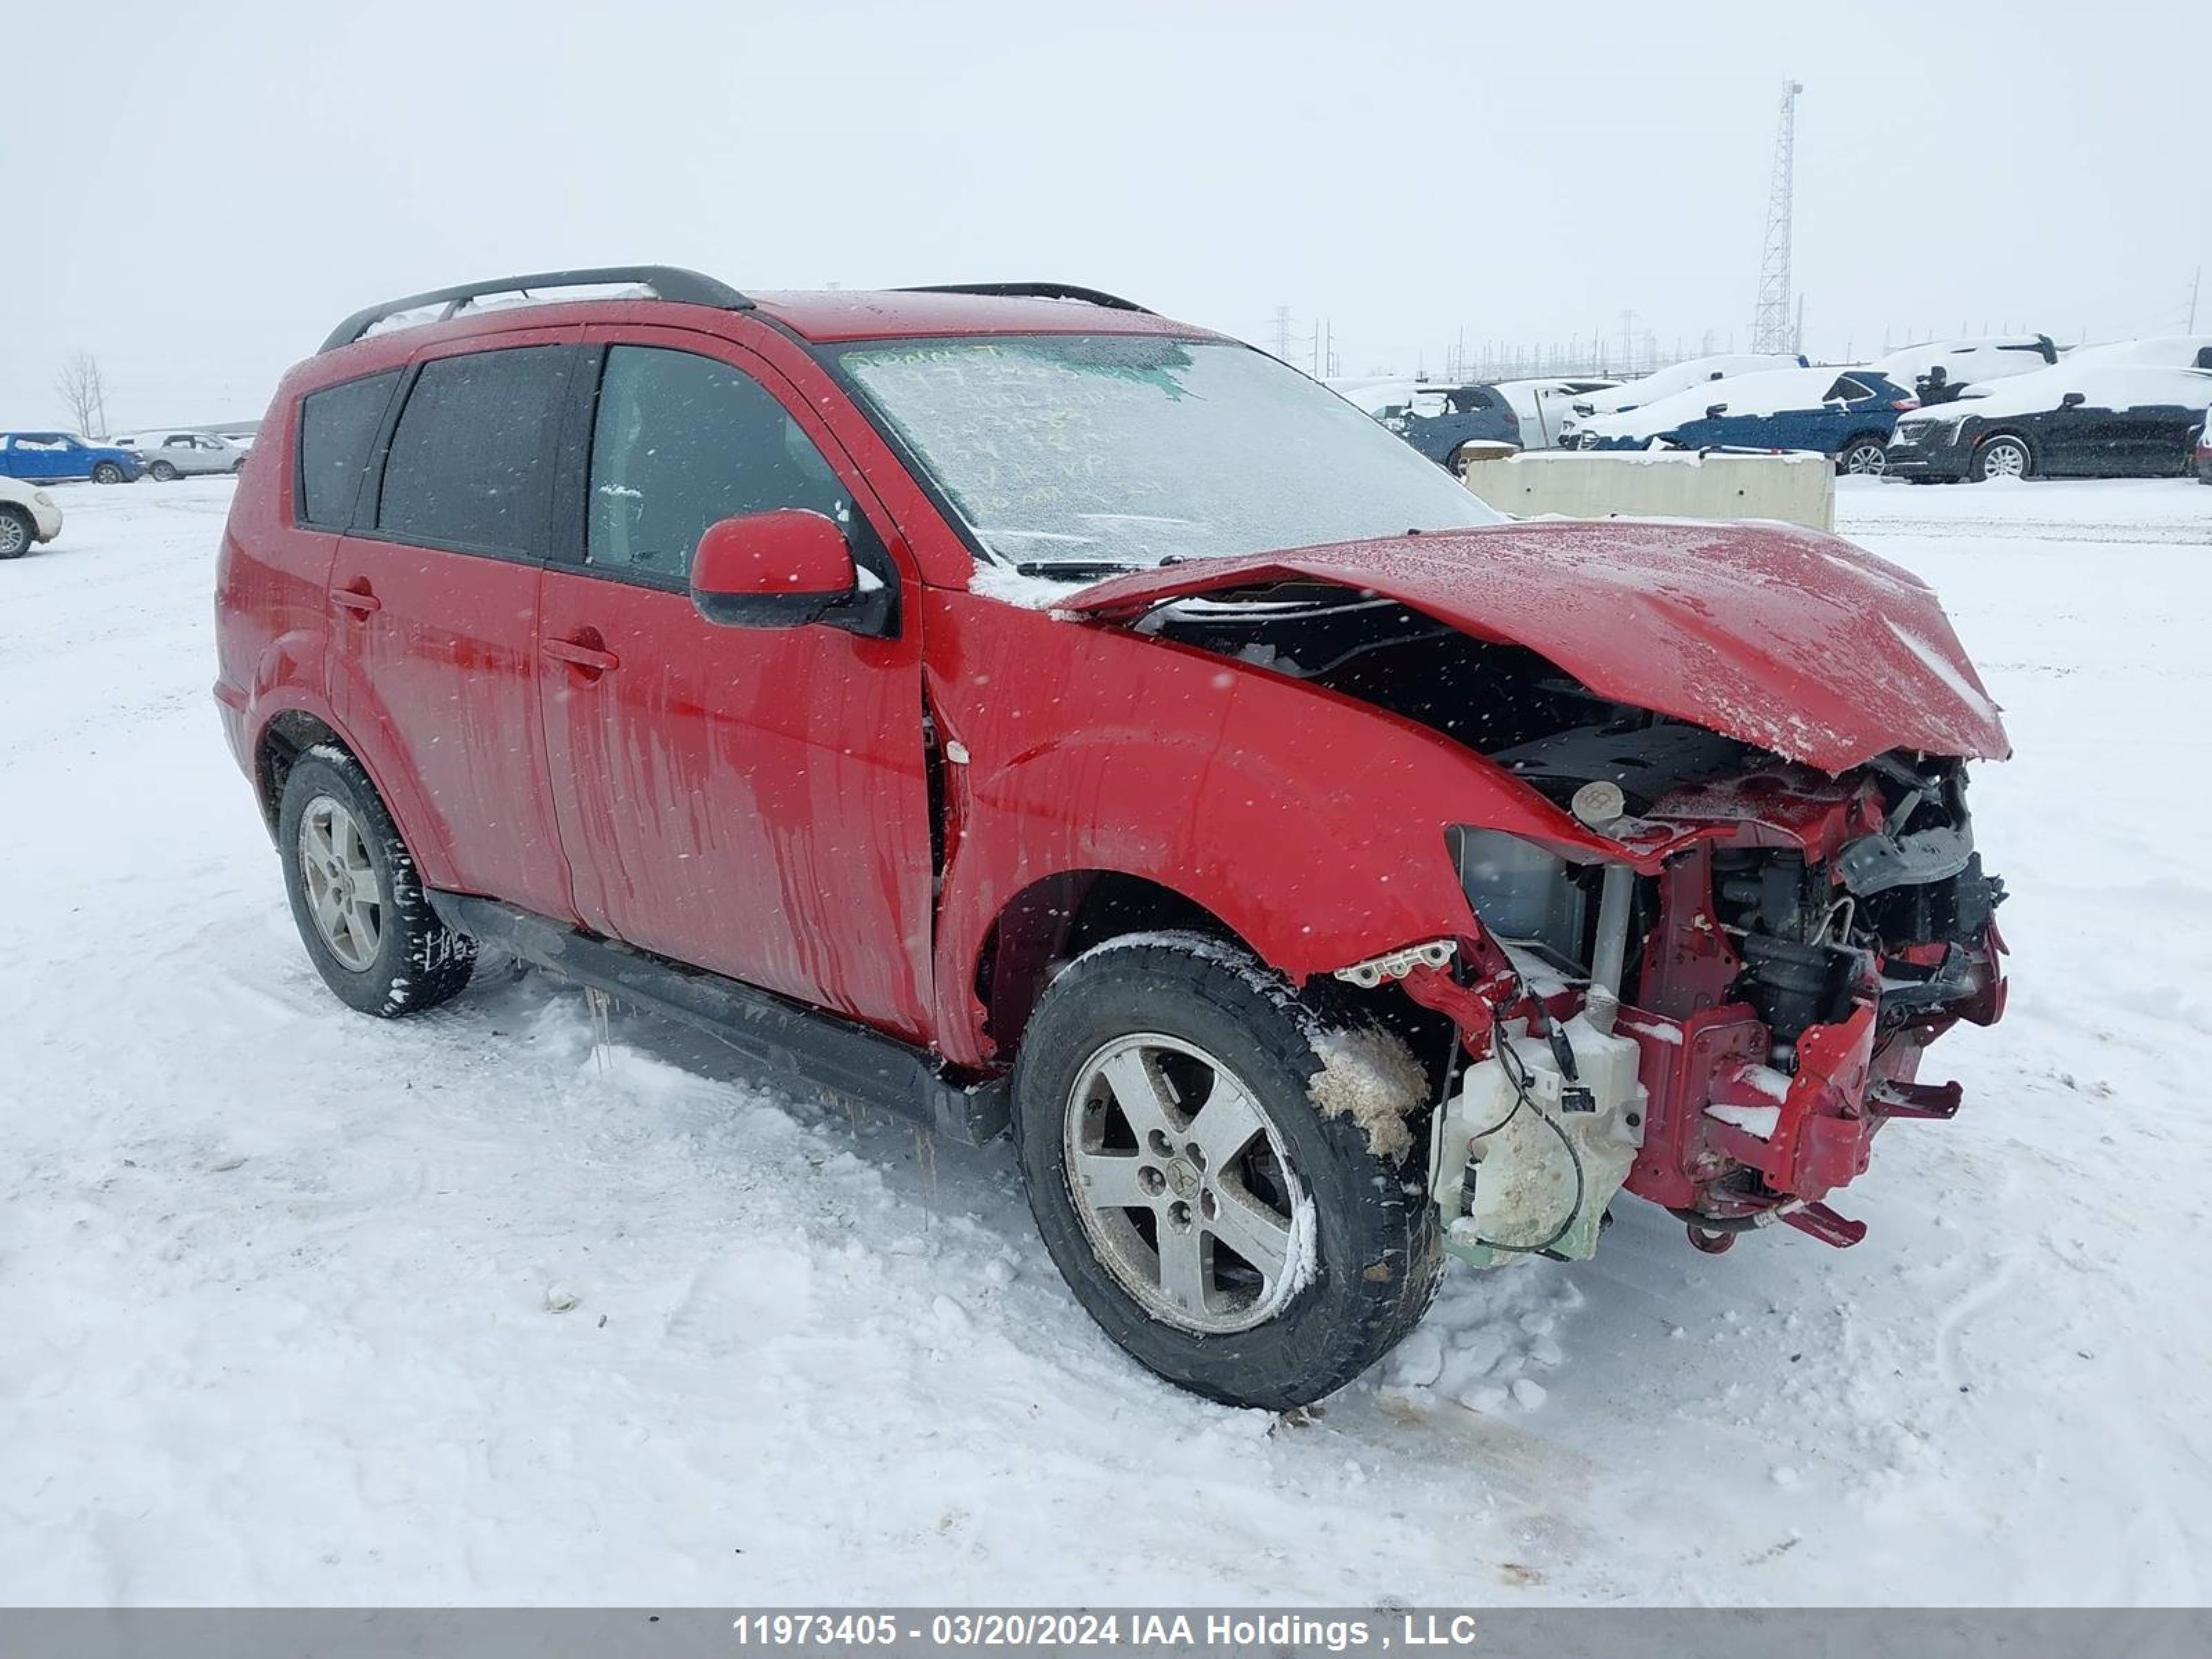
(53, 456)
(1848, 415)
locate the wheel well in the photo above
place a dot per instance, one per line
(1858, 438)
(283, 740)
(1052, 920)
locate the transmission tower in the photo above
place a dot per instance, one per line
(1773, 328)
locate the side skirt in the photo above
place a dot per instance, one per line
(788, 1041)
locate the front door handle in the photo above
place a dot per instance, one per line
(576, 653)
(356, 599)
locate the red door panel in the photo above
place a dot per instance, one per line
(752, 801)
(435, 656)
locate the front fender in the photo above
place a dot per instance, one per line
(1310, 823)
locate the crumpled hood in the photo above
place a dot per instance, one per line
(1796, 642)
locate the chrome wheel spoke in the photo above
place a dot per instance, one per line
(1141, 1092)
(1183, 1273)
(1254, 1231)
(1111, 1181)
(1228, 1123)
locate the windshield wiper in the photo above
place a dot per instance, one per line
(1074, 568)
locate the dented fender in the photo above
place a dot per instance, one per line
(1309, 823)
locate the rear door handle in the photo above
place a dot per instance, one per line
(356, 599)
(589, 657)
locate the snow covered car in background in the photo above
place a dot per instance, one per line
(170, 455)
(2205, 452)
(2161, 351)
(1438, 421)
(1847, 415)
(1936, 369)
(2093, 420)
(1545, 405)
(1676, 377)
(60, 457)
(1315, 872)
(27, 517)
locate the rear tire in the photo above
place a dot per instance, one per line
(1864, 457)
(1266, 1252)
(18, 530)
(356, 896)
(108, 473)
(2004, 456)
(163, 472)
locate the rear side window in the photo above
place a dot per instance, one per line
(473, 455)
(337, 427)
(681, 441)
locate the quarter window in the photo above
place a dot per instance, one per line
(681, 442)
(473, 455)
(337, 427)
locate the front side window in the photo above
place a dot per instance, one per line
(1082, 451)
(337, 427)
(680, 442)
(473, 455)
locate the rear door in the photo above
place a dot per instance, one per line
(434, 658)
(753, 801)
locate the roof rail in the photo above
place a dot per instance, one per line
(667, 283)
(1034, 291)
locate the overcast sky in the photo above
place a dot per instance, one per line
(199, 192)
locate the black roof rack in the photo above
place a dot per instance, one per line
(1034, 291)
(667, 283)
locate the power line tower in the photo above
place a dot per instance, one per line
(1282, 325)
(1773, 327)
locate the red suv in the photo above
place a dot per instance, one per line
(1016, 709)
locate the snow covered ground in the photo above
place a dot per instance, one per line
(298, 1307)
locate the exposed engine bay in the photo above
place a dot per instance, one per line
(1718, 1018)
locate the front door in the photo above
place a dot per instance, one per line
(749, 800)
(433, 656)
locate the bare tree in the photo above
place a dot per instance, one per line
(83, 390)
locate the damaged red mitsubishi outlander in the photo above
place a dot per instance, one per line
(1018, 710)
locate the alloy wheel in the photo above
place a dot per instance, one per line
(343, 895)
(14, 537)
(1184, 1186)
(1866, 460)
(2004, 458)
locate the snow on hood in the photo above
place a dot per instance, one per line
(1793, 641)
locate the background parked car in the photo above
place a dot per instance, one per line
(27, 516)
(1440, 419)
(1676, 377)
(1544, 404)
(50, 456)
(2163, 351)
(1847, 415)
(1937, 370)
(167, 455)
(2204, 450)
(2092, 421)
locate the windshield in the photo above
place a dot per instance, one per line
(1070, 453)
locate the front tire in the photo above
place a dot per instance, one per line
(2003, 457)
(18, 530)
(355, 896)
(108, 473)
(163, 472)
(1231, 1185)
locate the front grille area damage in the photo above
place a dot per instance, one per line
(1719, 1019)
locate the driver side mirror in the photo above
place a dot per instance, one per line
(1714, 411)
(2072, 400)
(778, 569)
